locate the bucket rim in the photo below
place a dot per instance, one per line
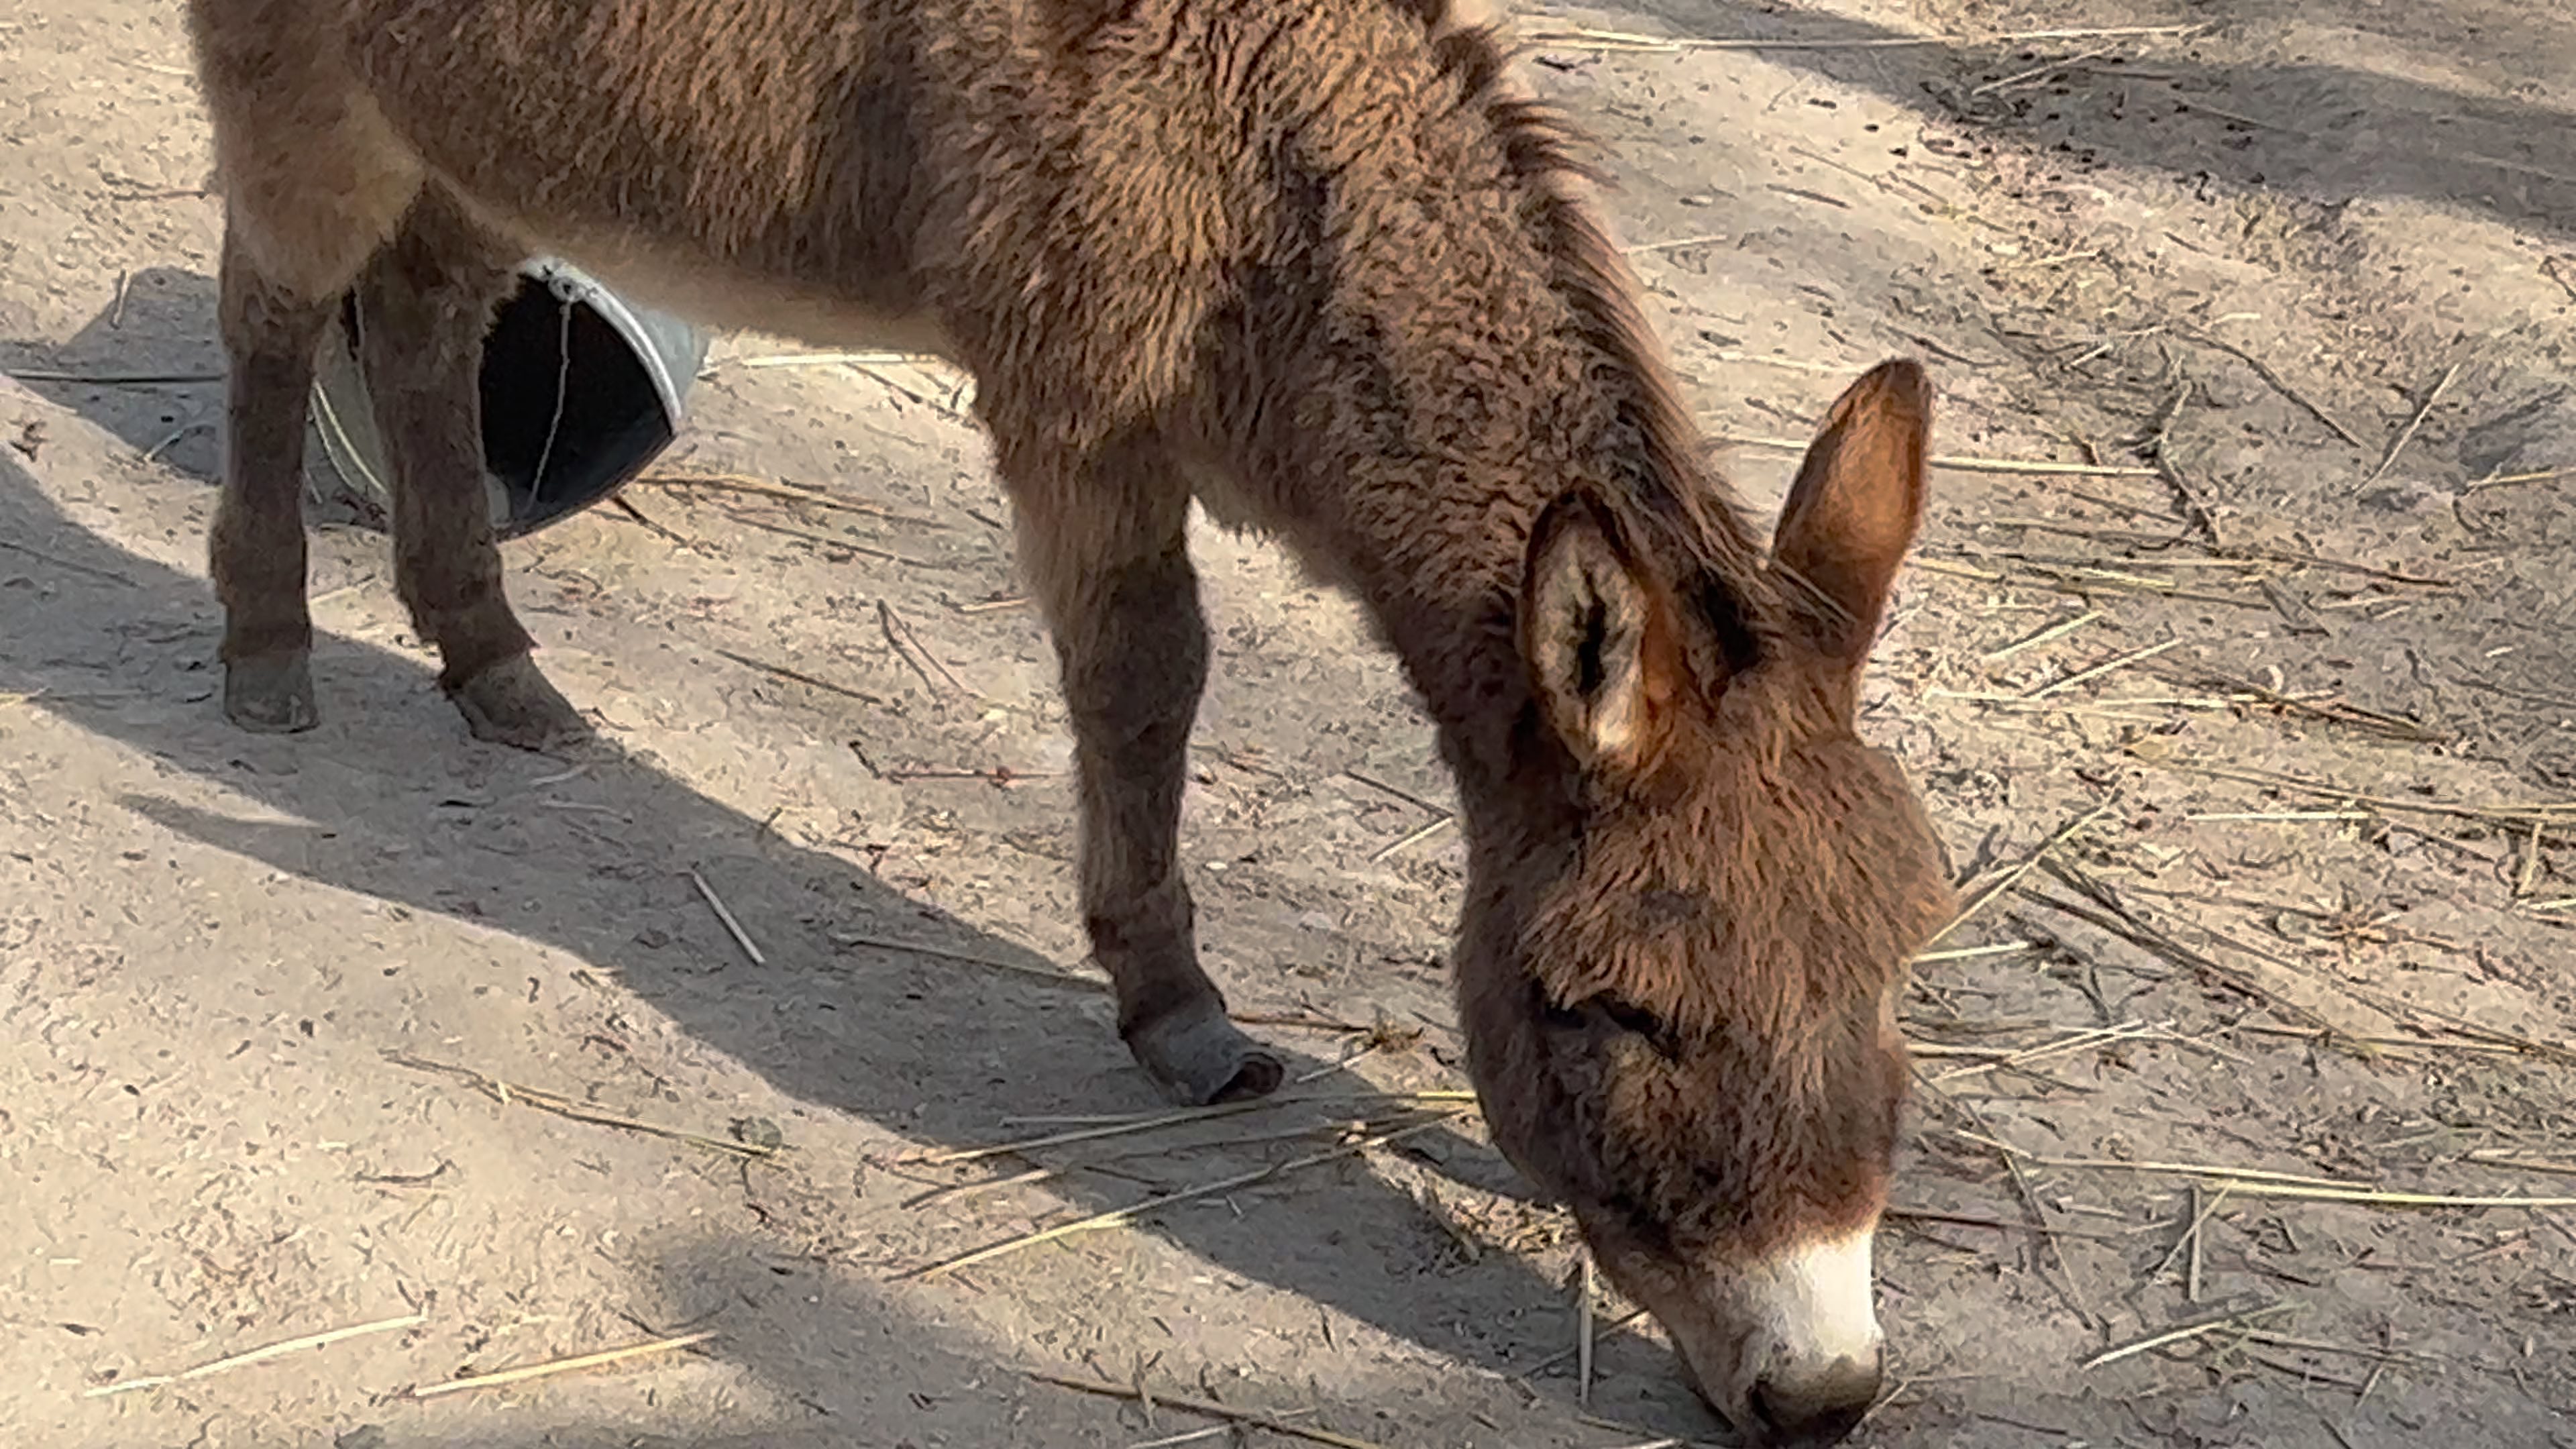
(632, 323)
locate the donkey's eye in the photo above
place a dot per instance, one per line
(1609, 1011)
(1636, 1021)
(1632, 1019)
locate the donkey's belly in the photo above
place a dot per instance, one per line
(717, 292)
(745, 175)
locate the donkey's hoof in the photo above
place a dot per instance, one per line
(512, 703)
(271, 694)
(1198, 1057)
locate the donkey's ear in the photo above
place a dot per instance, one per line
(1600, 636)
(1856, 506)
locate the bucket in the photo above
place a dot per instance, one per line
(580, 390)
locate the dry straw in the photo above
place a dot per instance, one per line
(561, 1366)
(2049, 635)
(725, 916)
(2515, 815)
(2086, 1040)
(259, 1355)
(2263, 1182)
(2185, 1332)
(1246, 1418)
(2013, 876)
(762, 488)
(507, 1093)
(2406, 434)
(1092, 1129)
(1561, 1355)
(1118, 1217)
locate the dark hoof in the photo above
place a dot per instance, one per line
(511, 703)
(271, 694)
(1198, 1058)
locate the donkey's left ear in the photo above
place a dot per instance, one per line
(1600, 638)
(1857, 505)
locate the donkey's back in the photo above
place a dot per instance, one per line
(754, 162)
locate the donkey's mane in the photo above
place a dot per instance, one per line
(1676, 494)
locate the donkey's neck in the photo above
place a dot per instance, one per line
(1436, 344)
(1413, 464)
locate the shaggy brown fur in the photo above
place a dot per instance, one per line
(1318, 264)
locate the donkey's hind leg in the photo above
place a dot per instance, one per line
(270, 329)
(1107, 555)
(425, 304)
(313, 184)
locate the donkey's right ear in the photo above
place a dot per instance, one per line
(1600, 637)
(1858, 502)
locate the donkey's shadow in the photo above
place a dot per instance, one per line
(147, 369)
(123, 647)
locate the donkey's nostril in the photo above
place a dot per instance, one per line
(1810, 1412)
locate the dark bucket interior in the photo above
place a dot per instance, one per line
(612, 421)
(570, 408)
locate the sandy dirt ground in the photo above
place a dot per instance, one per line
(2243, 723)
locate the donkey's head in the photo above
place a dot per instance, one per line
(1683, 955)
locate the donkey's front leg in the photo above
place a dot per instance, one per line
(1109, 561)
(425, 304)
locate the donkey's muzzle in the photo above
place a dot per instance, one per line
(1811, 1410)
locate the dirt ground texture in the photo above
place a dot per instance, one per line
(2244, 733)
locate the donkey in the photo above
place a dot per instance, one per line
(1325, 267)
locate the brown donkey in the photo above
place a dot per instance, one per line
(1319, 265)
